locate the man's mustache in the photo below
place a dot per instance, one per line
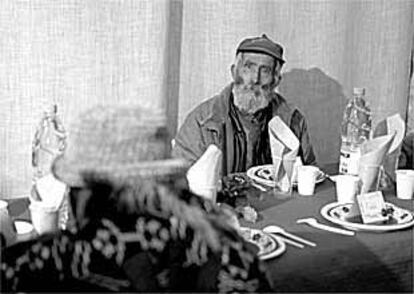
(254, 87)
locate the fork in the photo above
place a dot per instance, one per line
(314, 223)
(279, 230)
(288, 241)
(258, 186)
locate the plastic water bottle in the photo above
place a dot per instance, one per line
(49, 142)
(355, 129)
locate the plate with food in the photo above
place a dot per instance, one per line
(269, 246)
(263, 174)
(341, 213)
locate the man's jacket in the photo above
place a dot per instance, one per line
(215, 121)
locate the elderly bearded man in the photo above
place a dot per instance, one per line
(236, 120)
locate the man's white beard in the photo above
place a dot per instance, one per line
(251, 98)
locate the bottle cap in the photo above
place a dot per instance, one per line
(359, 91)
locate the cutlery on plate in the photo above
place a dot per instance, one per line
(278, 230)
(314, 223)
(287, 240)
(258, 186)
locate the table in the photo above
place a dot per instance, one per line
(366, 262)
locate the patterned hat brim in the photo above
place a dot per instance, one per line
(71, 172)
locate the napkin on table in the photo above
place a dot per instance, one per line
(204, 174)
(298, 163)
(392, 125)
(285, 145)
(373, 154)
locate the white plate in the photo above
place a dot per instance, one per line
(269, 246)
(336, 212)
(23, 227)
(263, 174)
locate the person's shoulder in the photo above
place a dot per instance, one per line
(207, 105)
(285, 109)
(212, 107)
(409, 138)
(408, 142)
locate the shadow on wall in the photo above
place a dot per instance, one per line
(321, 99)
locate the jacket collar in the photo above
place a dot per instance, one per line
(218, 111)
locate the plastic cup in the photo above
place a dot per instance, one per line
(45, 219)
(283, 174)
(370, 176)
(7, 229)
(347, 187)
(405, 183)
(306, 179)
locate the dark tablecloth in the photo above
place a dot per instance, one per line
(366, 262)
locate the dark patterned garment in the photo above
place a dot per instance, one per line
(137, 239)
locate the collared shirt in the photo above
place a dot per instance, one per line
(254, 127)
(215, 121)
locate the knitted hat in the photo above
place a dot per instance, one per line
(262, 45)
(117, 142)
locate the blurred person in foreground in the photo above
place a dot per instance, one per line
(137, 226)
(236, 119)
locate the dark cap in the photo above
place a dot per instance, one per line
(262, 45)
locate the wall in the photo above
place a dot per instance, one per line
(77, 53)
(331, 47)
(173, 54)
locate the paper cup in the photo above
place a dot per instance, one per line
(45, 219)
(7, 229)
(306, 179)
(347, 187)
(405, 183)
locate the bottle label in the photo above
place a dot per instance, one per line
(349, 162)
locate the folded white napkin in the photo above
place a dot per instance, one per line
(284, 147)
(392, 125)
(204, 174)
(373, 154)
(296, 166)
